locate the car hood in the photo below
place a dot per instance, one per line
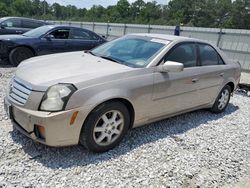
(12, 37)
(75, 67)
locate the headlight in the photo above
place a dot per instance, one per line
(56, 97)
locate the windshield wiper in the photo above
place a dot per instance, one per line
(111, 59)
(90, 53)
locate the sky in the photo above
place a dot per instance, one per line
(89, 3)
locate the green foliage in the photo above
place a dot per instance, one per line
(199, 13)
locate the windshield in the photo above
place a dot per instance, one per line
(38, 32)
(131, 51)
(2, 19)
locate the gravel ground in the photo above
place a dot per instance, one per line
(197, 149)
(245, 77)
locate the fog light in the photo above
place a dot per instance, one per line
(40, 131)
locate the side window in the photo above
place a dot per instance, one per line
(94, 36)
(221, 62)
(12, 23)
(209, 56)
(60, 34)
(184, 53)
(81, 34)
(30, 24)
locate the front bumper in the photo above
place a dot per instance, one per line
(58, 131)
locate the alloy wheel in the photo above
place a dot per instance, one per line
(108, 128)
(223, 100)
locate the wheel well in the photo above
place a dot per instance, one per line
(24, 46)
(231, 84)
(127, 104)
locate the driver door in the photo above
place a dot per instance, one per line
(177, 91)
(55, 41)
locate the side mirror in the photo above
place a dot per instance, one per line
(2, 26)
(104, 36)
(49, 37)
(170, 66)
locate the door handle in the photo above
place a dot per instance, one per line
(222, 74)
(194, 80)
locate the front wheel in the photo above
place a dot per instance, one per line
(105, 127)
(19, 54)
(222, 100)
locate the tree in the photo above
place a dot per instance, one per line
(4, 11)
(151, 12)
(123, 8)
(180, 12)
(136, 9)
(240, 15)
(199, 13)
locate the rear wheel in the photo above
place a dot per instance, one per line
(19, 54)
(105, 127)
(222, 100)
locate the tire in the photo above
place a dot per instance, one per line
(17, 55)
(105, 127)
(222, 100)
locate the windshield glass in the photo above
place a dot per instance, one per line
(38, 32)
(131, 51)
(1, 19)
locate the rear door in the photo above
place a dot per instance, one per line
(177, 91)
(81, 39)
(211, 73)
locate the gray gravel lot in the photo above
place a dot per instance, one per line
(197, 149)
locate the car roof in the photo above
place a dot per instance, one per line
(9, 17)
(168, 37)
(67, 26)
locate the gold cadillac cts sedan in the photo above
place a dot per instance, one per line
(94, 98)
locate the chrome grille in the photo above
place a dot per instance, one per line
(19, 93)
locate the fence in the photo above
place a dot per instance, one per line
(234, 42)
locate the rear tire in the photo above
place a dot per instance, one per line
(222, 100)
(105, 127)
(17, 55)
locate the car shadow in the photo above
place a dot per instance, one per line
(67, 157)
(4, 62)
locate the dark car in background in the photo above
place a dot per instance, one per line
(47, 40)
(18, 25)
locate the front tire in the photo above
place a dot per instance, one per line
(105, 127)
(222, 100)
(17, 55)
